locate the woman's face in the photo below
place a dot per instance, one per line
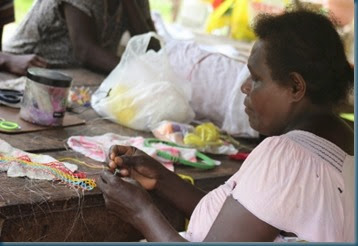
(267, 102)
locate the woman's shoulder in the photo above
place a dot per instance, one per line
(298, 139)
(329, 127)
(291, 149)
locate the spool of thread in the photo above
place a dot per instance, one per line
(45, 97)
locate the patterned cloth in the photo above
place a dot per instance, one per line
(44, 31)
(6, 12)
(97, 148)
(297, 182)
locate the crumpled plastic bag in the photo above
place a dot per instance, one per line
(142, 90)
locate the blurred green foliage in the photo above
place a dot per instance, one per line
(21, 8)
(164, 7)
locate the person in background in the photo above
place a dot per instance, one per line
(342, 10)
(80, 33)
(297, 184)
(16, 64)
(175, 9)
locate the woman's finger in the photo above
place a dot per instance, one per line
(101, 184)
(126, 150)
(112, 165)
(109, 178)
(118, 150)
(112, 152)
(40, 59)
(118, 160)
(37, 64)
(124, 172)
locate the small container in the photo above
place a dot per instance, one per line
(45, 97)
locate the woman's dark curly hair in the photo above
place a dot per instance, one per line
(306, 42)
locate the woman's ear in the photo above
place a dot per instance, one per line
(298, 85)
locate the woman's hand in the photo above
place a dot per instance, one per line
(128, 200)
(18, 64)
(151, 174)
(124, 197)
(134, 163)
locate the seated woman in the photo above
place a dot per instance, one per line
(15, 64)
(299, 181)
(81, 32)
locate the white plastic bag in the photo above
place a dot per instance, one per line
(142, 90)
(215, 80)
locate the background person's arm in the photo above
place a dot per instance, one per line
(18, 64)
(84, 39)
(139, 20)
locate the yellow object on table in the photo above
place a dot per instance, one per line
(206, 134)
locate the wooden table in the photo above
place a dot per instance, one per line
(45, 211)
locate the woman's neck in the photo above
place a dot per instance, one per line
(326, 124)
(308, 116)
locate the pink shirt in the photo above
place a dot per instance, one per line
(292, 182)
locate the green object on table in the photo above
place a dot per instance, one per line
(8, 125)
(347, 116)
(207, 162)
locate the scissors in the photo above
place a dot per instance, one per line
(8, 96)
(8, 125)
(207, 162)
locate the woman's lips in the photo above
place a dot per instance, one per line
(247, 108)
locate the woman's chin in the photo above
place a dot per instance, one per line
(253, 125)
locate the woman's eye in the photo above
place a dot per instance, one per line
(254, 79)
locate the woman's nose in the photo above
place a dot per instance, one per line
(246, 86)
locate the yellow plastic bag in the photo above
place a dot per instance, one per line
(239, 14)
(240, 22)
(206, 134)
(220, 17)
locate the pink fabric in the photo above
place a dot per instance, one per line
(97, 147)
(291, 182)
